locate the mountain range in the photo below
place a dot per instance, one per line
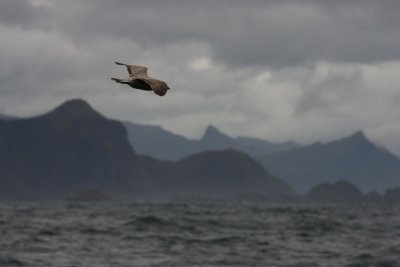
(355, 158)
(73, 148)
(162, 144)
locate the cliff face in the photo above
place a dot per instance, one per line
(66, 149)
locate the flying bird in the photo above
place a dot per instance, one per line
(139, 79)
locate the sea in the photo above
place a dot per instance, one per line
(120, 233)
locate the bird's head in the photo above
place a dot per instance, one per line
(166, 85)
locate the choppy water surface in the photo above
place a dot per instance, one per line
(129, 234)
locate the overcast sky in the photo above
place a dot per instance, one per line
(302, 70)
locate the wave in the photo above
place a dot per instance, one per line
(95, 231)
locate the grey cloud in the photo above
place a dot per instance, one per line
(302, 32)
(23, 13)
(330, 89)
(16, 12)
(268, 33)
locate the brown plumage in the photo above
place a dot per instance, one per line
(139, 79)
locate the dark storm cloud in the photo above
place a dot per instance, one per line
(274, 33)
(301, 32)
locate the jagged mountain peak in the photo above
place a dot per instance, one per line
(211, 130)
(355, 141)
(358, 136)
(212, 133)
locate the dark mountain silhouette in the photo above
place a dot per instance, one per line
(75, 149)
(231, 172)
(346, 192)
(339, 192)
(70, 148)
(354, 159)
(392, 195)
(159, 143)
(215, 174)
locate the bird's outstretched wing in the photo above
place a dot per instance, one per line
(135, 70)
(159, 87)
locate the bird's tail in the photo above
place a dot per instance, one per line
(116, 80)
(119, 63)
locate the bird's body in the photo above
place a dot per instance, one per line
(139, 79)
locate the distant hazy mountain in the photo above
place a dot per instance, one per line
(159, 143)
(213, 139)
(346, 192)
(339, 192)
(75, 149)
(156, 142)
(354, 159)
